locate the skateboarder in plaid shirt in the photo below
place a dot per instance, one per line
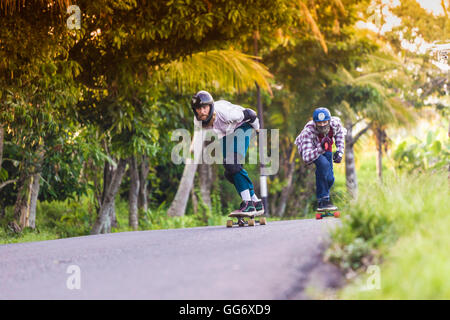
(229, 120)
(315, 146)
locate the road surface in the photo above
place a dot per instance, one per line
(278, 261)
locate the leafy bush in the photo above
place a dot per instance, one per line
(415, 154)
(68, 218)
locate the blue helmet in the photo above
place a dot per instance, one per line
(321, 114)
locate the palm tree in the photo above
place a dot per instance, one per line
(380, 108)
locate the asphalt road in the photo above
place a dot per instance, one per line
(280, 260)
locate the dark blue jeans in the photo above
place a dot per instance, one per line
(239, 145)
(324, 174)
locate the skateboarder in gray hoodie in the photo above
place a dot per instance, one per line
(228, 121)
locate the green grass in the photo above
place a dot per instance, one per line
(27, 235)
(416, 267)
(401, 226)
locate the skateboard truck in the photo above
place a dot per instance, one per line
(251, 222)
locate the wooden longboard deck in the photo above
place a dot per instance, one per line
(240, 215)
(246, 220)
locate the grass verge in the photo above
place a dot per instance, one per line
(402, 227)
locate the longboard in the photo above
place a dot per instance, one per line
(241, 220)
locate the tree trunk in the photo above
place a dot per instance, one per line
(179, 203)
(380, 141)
(205, 181)
(21, 207)
(108, 173)
(194, 201)
(178, 206)
(33, 199)
(2, 137)
(286, 191)
(106, 212)
(143, 184)
(350, 168)
(133, 194)
(25, 206)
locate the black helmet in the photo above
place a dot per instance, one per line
(203, 98)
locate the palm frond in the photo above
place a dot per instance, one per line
(312, 23)
(340, 6)
(402, 112)
(374, 76)
(387, 59)
(227, 70)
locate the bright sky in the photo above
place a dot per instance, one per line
(432, 6)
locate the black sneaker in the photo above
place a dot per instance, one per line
(246, 207)
(321, 205)
(328, 205)
(259, 207)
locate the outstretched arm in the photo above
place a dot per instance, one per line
(339, 138)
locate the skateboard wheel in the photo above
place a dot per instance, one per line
(229, 223)
(337, 214)
(318, 216)
(251, 222)
(262, 221)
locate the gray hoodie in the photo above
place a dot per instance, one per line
(228, 117)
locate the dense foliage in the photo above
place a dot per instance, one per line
(86, 115)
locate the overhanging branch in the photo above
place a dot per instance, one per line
(4, 184)
(359, 134)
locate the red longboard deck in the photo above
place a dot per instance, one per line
(327, 213)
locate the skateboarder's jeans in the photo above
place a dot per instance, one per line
(240, 146)
(324, 174)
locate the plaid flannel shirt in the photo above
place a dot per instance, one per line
(308, 140)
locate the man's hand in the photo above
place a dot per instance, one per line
(326, 143)
(337, 157)
(249, 115)
(255, 125)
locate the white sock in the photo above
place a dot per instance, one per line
(255, 198)
(245, 195)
